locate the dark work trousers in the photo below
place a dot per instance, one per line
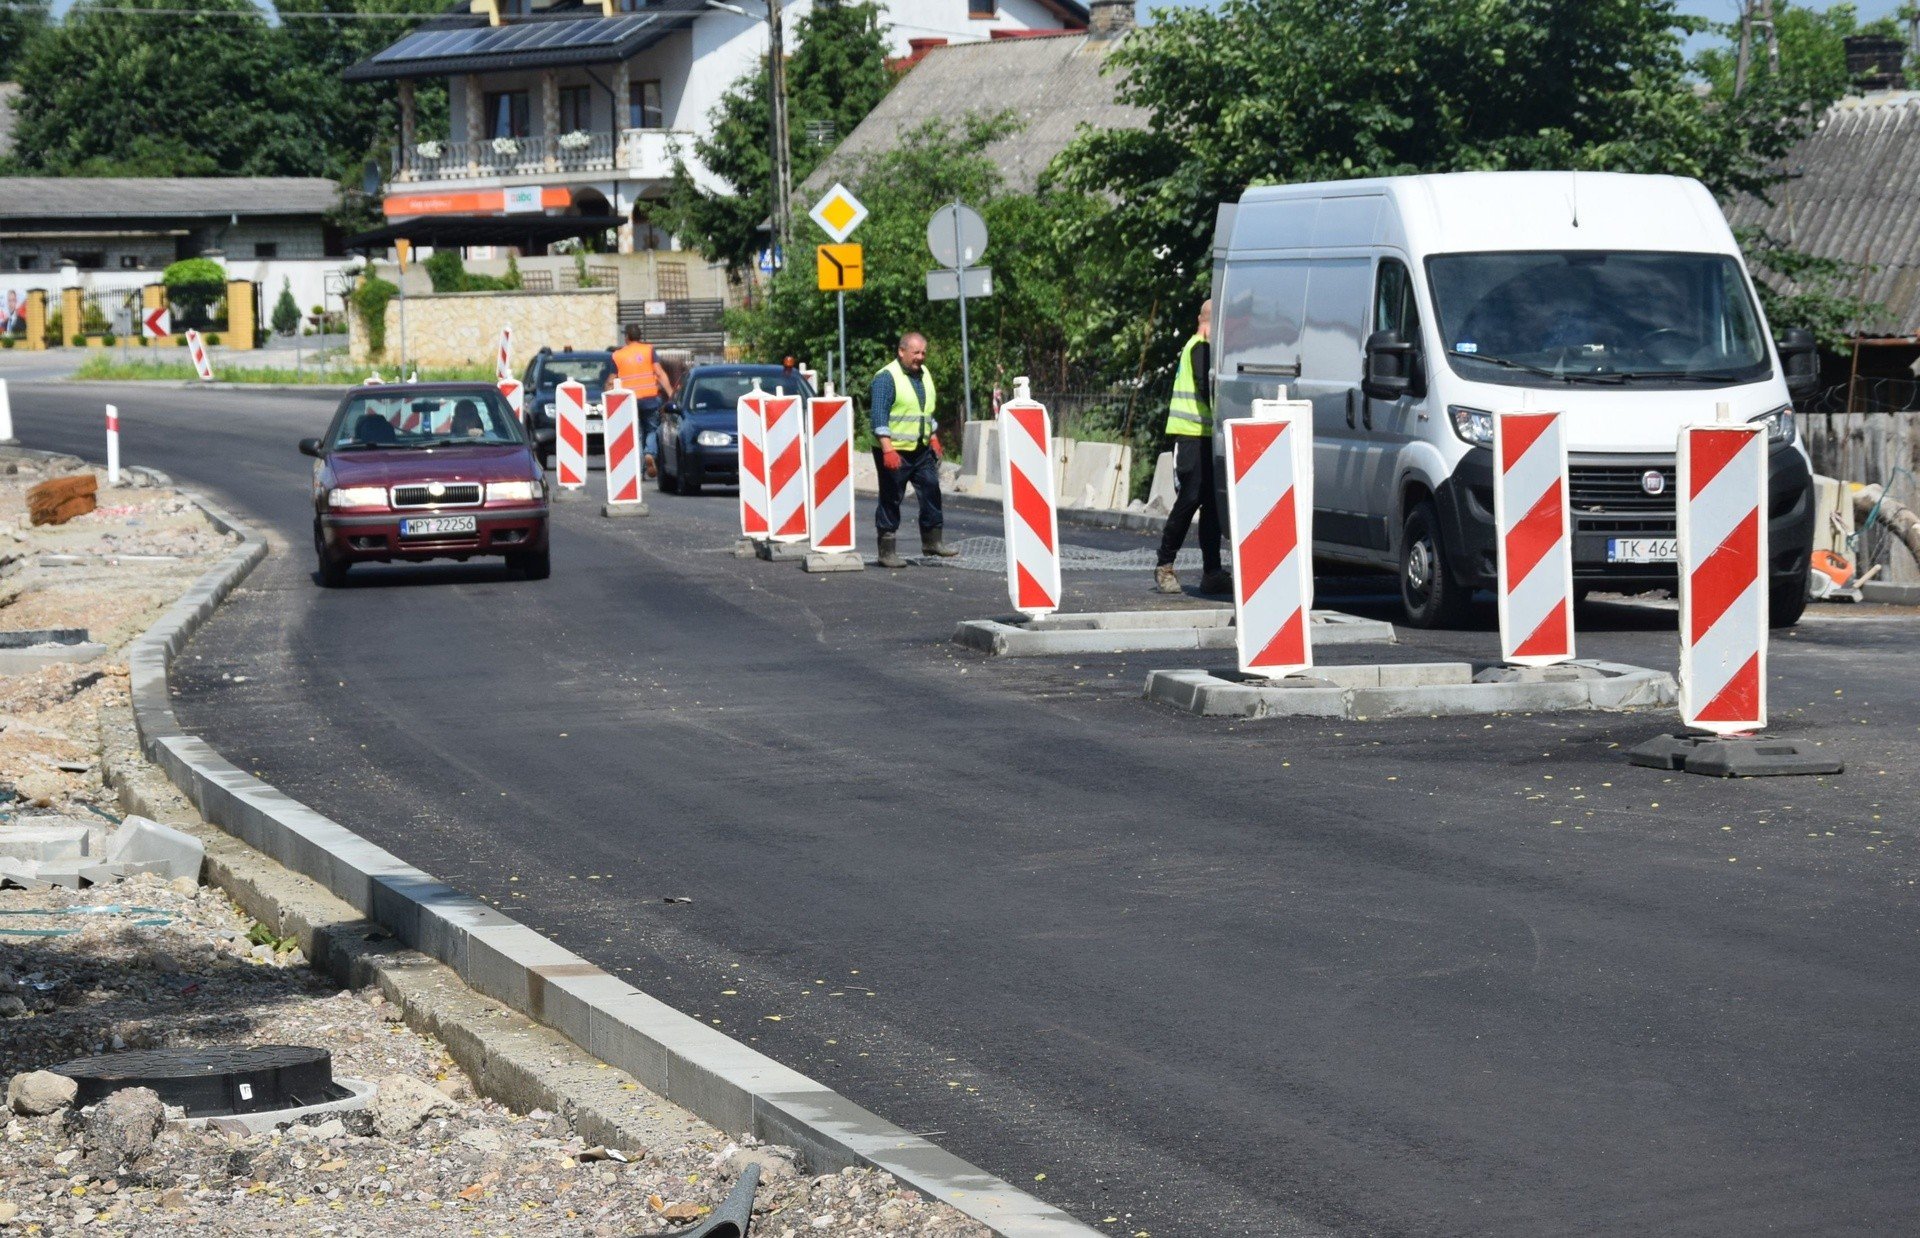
(1192, 491)
(922, 468)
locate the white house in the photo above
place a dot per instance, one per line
(580, 109)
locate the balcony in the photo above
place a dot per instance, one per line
(642, 154)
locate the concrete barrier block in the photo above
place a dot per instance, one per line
(1097, 475)
(979, 456)
(866, 476)
(59, 838)
(140, 841)
(1160, 493)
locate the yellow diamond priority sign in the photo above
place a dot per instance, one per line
(841, 268)
(839, 213)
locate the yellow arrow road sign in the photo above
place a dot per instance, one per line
(841, 268)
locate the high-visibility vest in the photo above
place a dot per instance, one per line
(633, 369)
(1189, 412)
(911, 421)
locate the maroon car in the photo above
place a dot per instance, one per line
(421, 471)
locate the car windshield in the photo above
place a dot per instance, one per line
(709, 393)
(378, 422)
(587, 371)
(1539, 319)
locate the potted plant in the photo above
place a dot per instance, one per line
(506, 146)
(429, 150)
(578, 139)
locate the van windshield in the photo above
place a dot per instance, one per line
(1654, 319)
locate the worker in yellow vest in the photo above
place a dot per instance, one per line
(637, 368)
(906, 449)
(1190, 433)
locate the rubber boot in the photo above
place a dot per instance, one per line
(930, 544)
(1164, 581)
(890, 551)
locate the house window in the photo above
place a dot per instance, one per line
(507, 115)
(981, 9)
(87, 259)
(29, 262)
(643, 106)
(131, 262)
(266, 249)
(576, 108)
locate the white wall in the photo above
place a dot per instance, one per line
(308, 277)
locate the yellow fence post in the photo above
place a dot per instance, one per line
(36, 319)
(241, 314)
(72, 315)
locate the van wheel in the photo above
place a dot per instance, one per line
(1429, 596)
(1786, 602)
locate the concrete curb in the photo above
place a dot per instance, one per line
(1409, 690)
(728, 1084)
(1130, 631)
(1887, 594)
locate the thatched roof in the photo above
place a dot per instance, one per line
(1052, 83)
(1853, 193)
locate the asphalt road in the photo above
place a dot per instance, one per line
(1424, 977)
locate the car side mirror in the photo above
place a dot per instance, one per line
(311, 447)
(1389, 370)
(1799, 361)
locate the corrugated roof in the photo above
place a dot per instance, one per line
(1054, 85)
(1853, 193)
(117, 197)
(565, 35)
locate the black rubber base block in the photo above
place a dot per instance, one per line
(1734, 758)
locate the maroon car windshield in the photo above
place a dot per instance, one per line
(376, 420)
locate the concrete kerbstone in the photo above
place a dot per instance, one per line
(779, 552)
(728, 1083)
(614, 511)
(1404, 690)
(23, 661)
(834, 561)
(1130, 631)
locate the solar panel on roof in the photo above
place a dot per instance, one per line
(538, 36)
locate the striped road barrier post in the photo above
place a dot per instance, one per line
(1723, 577)
(751, 427)
(623, 455)
(830, 473)
(786, 478)
(502, 356)
(1535, 543)
(6, 414)
(570, 436)
(516, 398)
(113, 445)
(1270, 505)
(1028, 506)
(197, 349)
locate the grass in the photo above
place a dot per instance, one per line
(111, 369)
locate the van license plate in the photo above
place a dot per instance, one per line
(1642, 550)
(436, 526)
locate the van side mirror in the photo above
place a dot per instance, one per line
(1389, 370)
(310, 447)
(1799, 361)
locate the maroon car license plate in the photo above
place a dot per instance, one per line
(436, 526)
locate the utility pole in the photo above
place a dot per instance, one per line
(1749, 20)
(782, 149)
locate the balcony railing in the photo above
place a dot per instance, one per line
(646, 154)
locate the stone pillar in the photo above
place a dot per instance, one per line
(550, 117)
(622, 91)
(409, 118)
(476, 102)
(242, 320)
(72, 313)
(36, 319)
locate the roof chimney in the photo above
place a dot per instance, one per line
(1874, 61)
(1108, 19)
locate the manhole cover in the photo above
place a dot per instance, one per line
(211, 1082)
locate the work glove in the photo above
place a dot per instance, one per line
(892, 460)
(939, 452)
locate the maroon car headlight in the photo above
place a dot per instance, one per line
(513, 491)
(357, 496)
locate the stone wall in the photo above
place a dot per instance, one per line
(462, 328)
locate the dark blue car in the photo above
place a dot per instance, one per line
(698, 432)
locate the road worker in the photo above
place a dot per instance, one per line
(907, 449)
(1189, 431)
(637, 368)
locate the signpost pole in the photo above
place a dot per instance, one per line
(844, 384)
(966, 350)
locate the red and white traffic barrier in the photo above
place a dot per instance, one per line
(1028, 508)
(374, 380)
(786, 478)
(830, 473)
(751, 425)
(1535, 553)
(113, 445)
(1723, 581)
(570, 434)
(1270, 506)
(516, 398)
(198, 351)
(623, 446)
(6, 413)
(503, 356)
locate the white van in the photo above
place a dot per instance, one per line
(1410, 309)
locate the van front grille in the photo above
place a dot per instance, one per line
(1619, 488)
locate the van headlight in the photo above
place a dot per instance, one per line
(1473, 425)
(1780, 428)
(714, 438)
(512, 491)
(357, 496)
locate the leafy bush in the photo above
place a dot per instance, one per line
(212, 339)
(93, 319)
(449, 274)
(194, 285)
(369, 298)
(286, 311)
(513, 272)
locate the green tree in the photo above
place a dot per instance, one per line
(837, 74)
(1813, 51)
(1386, 87)
(194, 286)
(352, 121)
(286, 311)
(19, 22)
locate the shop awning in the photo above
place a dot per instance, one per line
(459, 231)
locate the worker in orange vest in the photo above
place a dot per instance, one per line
(637, 368)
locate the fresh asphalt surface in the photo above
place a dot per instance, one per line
(1425, 977)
